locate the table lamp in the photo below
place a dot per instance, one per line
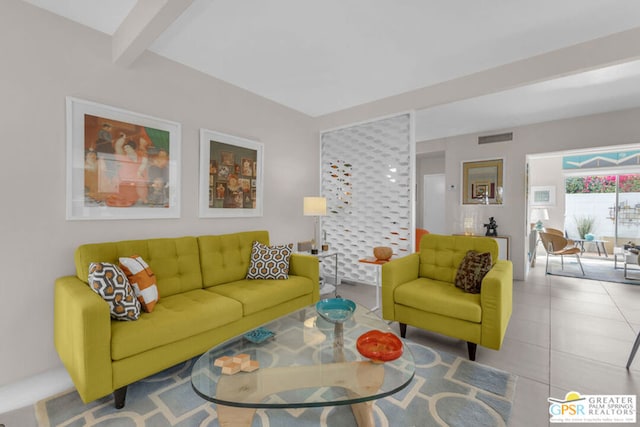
(538, 215)
(317, 207)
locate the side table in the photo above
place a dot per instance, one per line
(629, 258)
(377, 264)
(326, 288)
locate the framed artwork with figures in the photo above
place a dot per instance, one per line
(120, 164)
(234, 189)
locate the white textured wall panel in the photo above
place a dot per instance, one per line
(367, 174)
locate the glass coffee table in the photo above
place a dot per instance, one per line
(307, 362)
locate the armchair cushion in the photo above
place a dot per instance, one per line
(438, 297)
(472, 269)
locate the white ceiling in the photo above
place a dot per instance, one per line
(320, 57)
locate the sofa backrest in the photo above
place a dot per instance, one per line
(440, 256)
(225, 258)
(174, 261)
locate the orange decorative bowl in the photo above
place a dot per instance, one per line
(382, 253)
(379, 346)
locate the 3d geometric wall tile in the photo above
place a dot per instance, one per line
(367, 172)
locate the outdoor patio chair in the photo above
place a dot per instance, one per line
(560, 233)
(558, 245)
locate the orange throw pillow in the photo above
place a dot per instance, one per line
(142, 280)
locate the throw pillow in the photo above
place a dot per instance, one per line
(108, 281)
(142, 280)
(472, 269)
(269, 262)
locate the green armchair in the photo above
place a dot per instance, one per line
(419, 290)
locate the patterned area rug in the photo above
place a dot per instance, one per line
(446, 391)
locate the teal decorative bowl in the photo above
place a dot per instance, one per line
(336, 310)
(258, 335)
(589, 236)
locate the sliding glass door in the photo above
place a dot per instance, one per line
(606, 207)
(626, 212)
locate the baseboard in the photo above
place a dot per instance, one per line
(29, 391)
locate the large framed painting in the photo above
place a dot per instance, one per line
(482, 182)
(231, 176)
(121, 164)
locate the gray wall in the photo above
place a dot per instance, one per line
(600, 130)
(426, 164)
(44, 59)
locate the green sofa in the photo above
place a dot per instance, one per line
(204, 300)
(419, 290)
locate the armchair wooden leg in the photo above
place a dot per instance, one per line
(403, 329)
(471, 346)
(119, 397)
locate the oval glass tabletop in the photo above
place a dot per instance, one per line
(303, 361)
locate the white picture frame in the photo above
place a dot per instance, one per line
(114, 157)
(543, 195)
(231, 176)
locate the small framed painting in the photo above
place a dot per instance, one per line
(543, 196)
(231, 176)
(121, 164)
(482, 182)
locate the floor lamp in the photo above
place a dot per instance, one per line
(317, 207)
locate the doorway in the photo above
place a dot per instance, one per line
(433, 198)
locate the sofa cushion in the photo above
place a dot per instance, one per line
(472, 269)
(439, 297)
(174, 261)
(440, 256)
(174, 318)
(108, 281)
(225, 258)
(142, 280)
(269, 262)
(258, 295)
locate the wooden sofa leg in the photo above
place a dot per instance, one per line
(471, 346)
(119, 397)
(403, 329)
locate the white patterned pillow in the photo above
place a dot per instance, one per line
(108, 281)
(142, 280)
(269, 262)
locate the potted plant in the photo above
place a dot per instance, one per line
(585, 225)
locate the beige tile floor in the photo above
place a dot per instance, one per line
(565, 334)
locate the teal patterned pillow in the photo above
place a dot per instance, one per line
(108, 281)
(472, 269)
(269, 262)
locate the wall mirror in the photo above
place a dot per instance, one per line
(482, 182)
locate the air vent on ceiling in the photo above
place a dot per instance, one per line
(500, 137)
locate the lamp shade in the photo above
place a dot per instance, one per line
(539, 214)
(315, 206)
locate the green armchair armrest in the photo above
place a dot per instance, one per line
(82, 331)
(496, 299)
(306, 266)
(394, 273)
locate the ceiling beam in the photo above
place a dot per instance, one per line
(146, 21)
(610, 50)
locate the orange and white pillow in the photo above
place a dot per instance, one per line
(142, 280)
